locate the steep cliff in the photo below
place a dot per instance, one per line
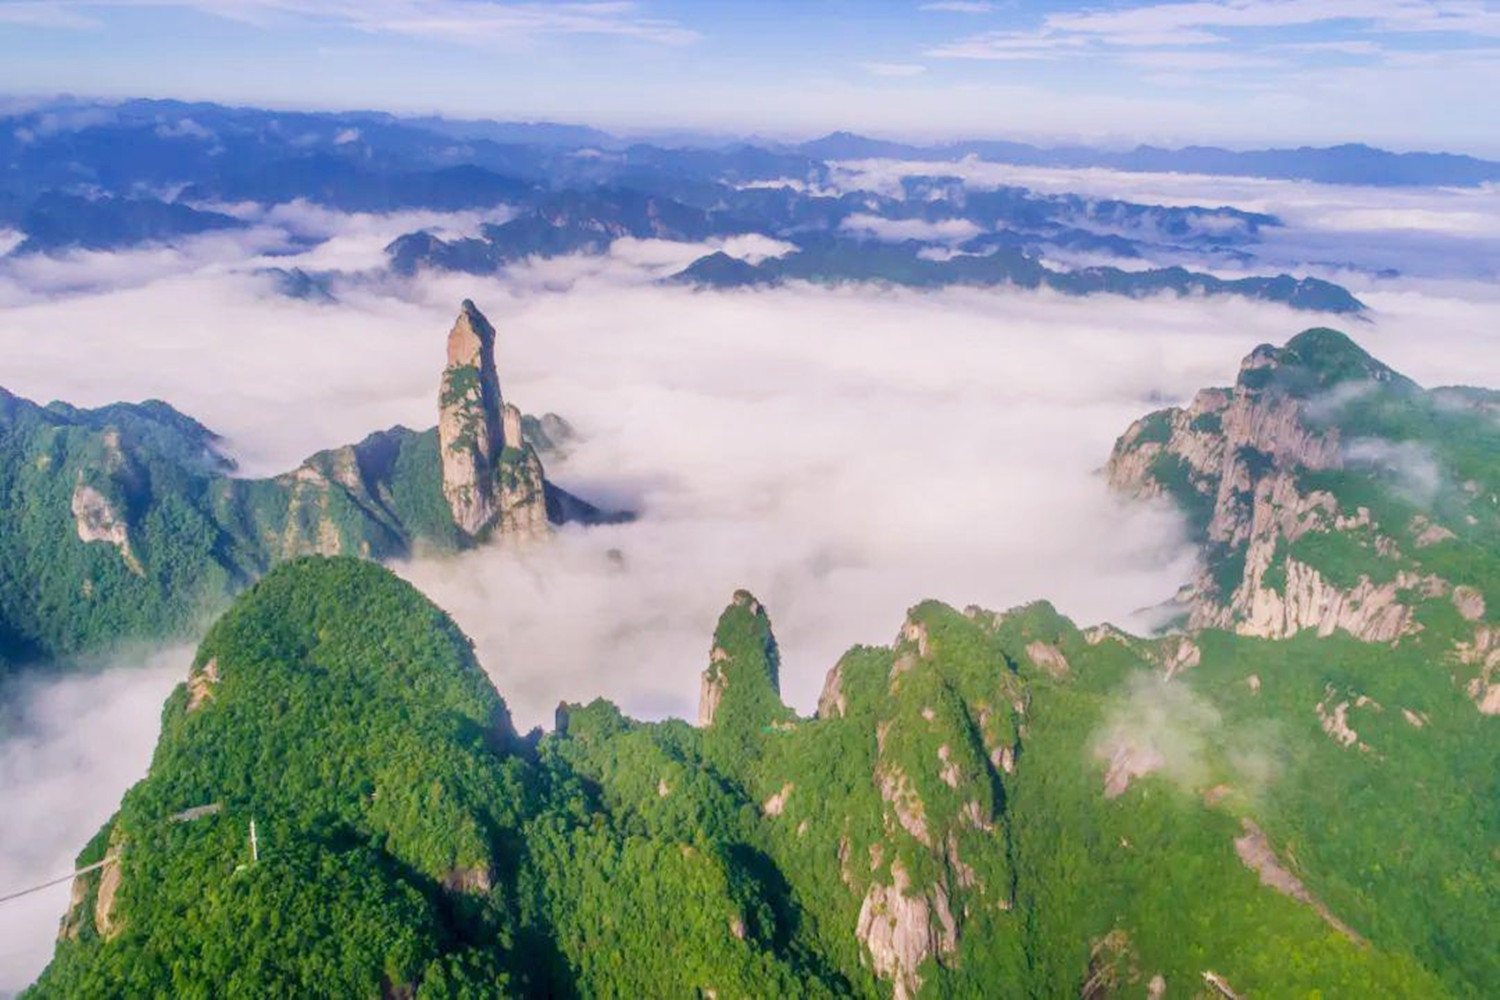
(492, 478)
(1329, 493)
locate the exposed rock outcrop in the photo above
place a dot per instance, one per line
(1112, 964)
(831, 700)
(201, 684)
(106, 922)
(492, 478)
(96, 519)
(1254, 849)
(1482, 654)
(902, 929)
(898, 792)
(1333, 716)
(1235, 461)
(474, 880)
(776, 804)
(1049, 658)
(1127, 761)
(1469, 602)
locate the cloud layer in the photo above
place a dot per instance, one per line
(72, 746)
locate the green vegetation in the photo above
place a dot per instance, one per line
(410, 843)
(1176, 479)
(173, 534)
(1207, 423)
(1320, 360)
(1155, 427)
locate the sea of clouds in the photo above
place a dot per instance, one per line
(843, 453)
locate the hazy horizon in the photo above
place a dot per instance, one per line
(1388, 73)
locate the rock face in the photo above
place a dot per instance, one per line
(469, 420)
(97, 520)
(903, 928)
(1236, 460)
(492, 479)
(1255, 851)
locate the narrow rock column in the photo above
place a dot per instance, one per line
(470, 424)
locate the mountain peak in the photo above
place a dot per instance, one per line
(478, 432)
(742, 685)
(1314, 361)
(1301, 484)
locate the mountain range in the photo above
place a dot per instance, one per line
(150, 173)
(1289, 793)
(1351, 163)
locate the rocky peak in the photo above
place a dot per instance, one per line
(1236, 462)
(492, 479)
(743, 681)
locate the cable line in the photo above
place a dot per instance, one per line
(82, 871)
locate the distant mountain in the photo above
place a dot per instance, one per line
(567, 222)
(993, 803)
(837, 261)
(340, 183)
(56, 222)
(849, 146)
(519, 133)
(1351, 163)
(295, 283)
(1013, 229)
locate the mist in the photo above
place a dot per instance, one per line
(1347, 233)
(1161, 726)
(72, 746)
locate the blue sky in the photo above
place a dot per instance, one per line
(1399, 73)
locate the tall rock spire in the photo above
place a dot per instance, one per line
(475, 426)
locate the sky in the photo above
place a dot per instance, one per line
(1398, 73)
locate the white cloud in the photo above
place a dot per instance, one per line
(1196, 61)
(43, 14)
(1258, 47)
(1348, 47)
(344, 242)
(1164, 727)
(1451, 233)
(755, 247)
(457, 21)
(1385, 15)
(1415, 471)
(893, 69)
(1008, 46)
(183, 128)
(898, 230)
(959, 6)
(72, 748)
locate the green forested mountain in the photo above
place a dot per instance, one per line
(125, 521)
(1299, 804)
